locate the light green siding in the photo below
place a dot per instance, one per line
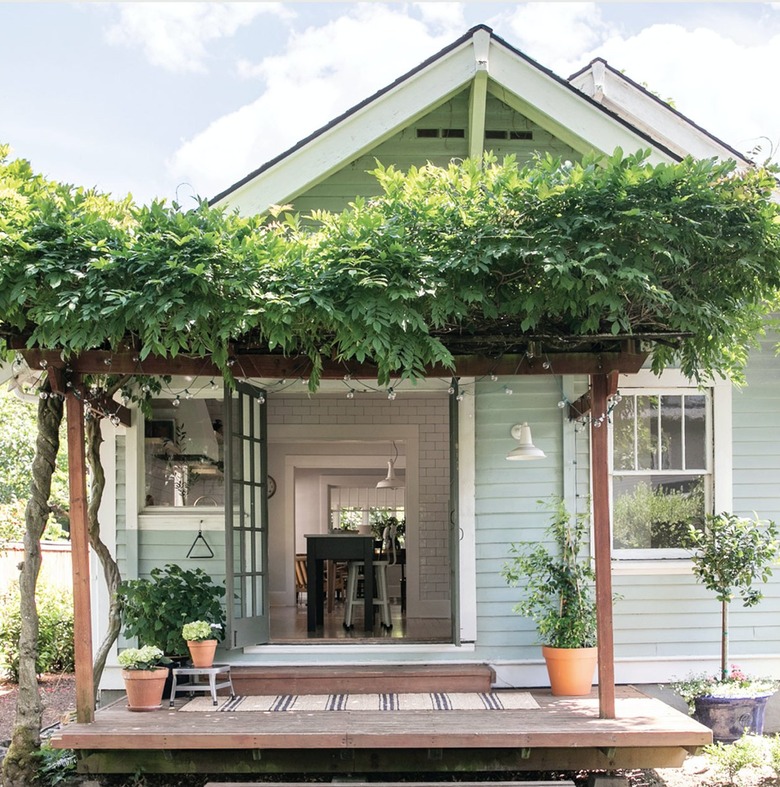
(405, 149)
(506, 501)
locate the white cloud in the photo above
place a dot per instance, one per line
(555, 34)
(718, 83)
(323, 71)
(174, 35)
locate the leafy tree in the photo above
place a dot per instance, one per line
(17, 450)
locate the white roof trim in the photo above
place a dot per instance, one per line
(572, 115)
(653, 117)
(358, 133)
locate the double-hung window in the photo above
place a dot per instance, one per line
(661, 469)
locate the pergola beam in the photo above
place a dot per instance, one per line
(281, 367)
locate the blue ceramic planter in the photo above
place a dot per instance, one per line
(730, 717)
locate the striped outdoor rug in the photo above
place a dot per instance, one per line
(505, 700)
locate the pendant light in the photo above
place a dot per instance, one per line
(525, 448)
(391, 482)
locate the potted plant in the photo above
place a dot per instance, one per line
(201, 639)
(730, 555)
(144, 671)
(559, 597)
(156, 609)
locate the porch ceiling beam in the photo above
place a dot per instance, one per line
(277, 366)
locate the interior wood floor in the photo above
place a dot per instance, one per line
(288, 627)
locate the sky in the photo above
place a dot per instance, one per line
(180, 100)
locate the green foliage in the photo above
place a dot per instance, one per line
(735, 684)
(772, 743)
(57, 766)
(149, 657)
(732, 553)
(612, 246)
(558, 586)
(17, 448)
(731, 758)
(198, 630)
(156, 609)
(729, 556)
(656, 517)
(55, 636)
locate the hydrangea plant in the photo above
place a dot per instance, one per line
(198, 630)
(148, 657)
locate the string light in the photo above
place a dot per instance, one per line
(351, 393)
(508, 391)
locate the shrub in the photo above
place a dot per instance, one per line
(731, 758)
(55, 635)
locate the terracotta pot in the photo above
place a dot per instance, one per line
(730, 717)
(144, 688)
(570, 669)
(202, 652)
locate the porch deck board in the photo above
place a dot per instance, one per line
(559, 722)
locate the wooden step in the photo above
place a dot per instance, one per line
(362, 679)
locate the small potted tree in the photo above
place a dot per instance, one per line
(144, 671)
(201, 639)
(559, 597)
(730, 556)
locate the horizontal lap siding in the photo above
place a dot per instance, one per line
(506, 501)
(662, 615)
(404, 150)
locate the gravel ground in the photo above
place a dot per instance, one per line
(58, 694)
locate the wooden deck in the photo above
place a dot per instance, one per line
(564, 733)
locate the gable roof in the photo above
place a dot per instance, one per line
(644, 110)
(483, 62)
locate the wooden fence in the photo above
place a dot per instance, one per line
(55, 564)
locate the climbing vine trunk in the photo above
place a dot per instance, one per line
(94, 439)
(20, 765)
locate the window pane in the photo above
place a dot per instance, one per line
(695, 432)
(671, 433)
(653, 512)
(183, 453)
(623, 434)
(647, 432)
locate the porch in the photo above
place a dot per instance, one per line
(562, 733)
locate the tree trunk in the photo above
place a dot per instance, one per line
(20, 764)
(724, 640)
(94, 438)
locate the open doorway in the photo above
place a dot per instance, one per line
(328, 478)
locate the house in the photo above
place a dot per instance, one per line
(463, 503)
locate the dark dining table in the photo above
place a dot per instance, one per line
(337, 546)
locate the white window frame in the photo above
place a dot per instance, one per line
(673, 382)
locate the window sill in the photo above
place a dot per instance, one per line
(671, 565)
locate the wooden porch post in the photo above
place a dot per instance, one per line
(602, 543)
(79, 538)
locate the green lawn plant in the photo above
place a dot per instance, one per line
(557, 582)
(155, 609)
(732, 758)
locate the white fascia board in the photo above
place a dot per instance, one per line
(562, 111)
(650, 116)
(357, 134)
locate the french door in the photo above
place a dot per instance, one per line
(246, 516)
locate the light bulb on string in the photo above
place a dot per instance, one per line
(176, 402)
(508, 391)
